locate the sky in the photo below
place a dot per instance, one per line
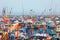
(38, 6)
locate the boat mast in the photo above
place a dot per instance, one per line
(4, 13)
(51, 7)
(22, 7)
(10, 12)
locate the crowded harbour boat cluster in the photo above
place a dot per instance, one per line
(29, 27)
(29, 19)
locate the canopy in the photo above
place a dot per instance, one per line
(16, 21)
(13, 21)
(29, 21)
(37, 34)
(44, 23)
(12, 36)
(5, 21)
(1, 22)
(52, 33)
